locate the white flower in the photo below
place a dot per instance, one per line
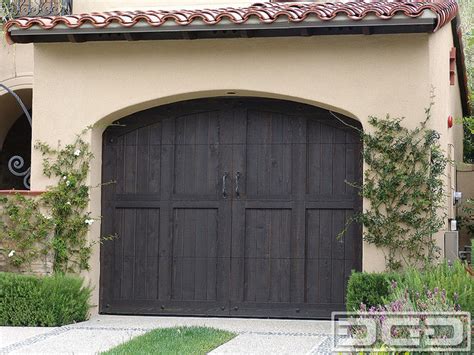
(77, 153)
(64, 177)
(68, 203)
(10, 254)
(48, 218)
(68, 183)
(89, 221)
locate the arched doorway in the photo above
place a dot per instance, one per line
(230, 207)
(15, 140)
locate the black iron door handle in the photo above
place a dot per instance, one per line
(224, 187)
(237, 184)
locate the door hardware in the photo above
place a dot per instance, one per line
(224, 188)
(237, 184)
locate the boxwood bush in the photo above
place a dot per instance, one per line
(368, 288)
(42, 301)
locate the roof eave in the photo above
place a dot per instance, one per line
(368, 25)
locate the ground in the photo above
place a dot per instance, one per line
(255, 336)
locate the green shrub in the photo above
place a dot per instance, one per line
(454, 279)
(368, 288)
(42, 301)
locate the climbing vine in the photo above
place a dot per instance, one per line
(58, 221)
(67, 202)
(404, 186)
(24, 232)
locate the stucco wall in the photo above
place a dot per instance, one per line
(16, 61)
(447, 102)
(77, 85)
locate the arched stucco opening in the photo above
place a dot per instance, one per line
(15, 140)
(102, 120)
(207, 173)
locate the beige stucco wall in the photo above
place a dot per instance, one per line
(77, 85)
(16, 62)
(447, 103)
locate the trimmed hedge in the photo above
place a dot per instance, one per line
(368, 288)
(42, 301)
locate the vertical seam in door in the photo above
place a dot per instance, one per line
(136, 216)
(147, 212)
(182, 251)
(270, 240)
(305, 291)
(171, 237)
(134, 252)
(136, 160)
(146, 252)
(121, 246)
(206, 258)
(233, 111)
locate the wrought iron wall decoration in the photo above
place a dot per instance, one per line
(18, 8)
(16, 164)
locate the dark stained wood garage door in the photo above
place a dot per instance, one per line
(229, 207)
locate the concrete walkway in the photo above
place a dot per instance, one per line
(255, 336)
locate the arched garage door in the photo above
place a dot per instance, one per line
(229, 207)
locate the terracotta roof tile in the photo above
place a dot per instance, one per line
(266, 13)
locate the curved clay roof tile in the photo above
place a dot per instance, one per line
(266, 13)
